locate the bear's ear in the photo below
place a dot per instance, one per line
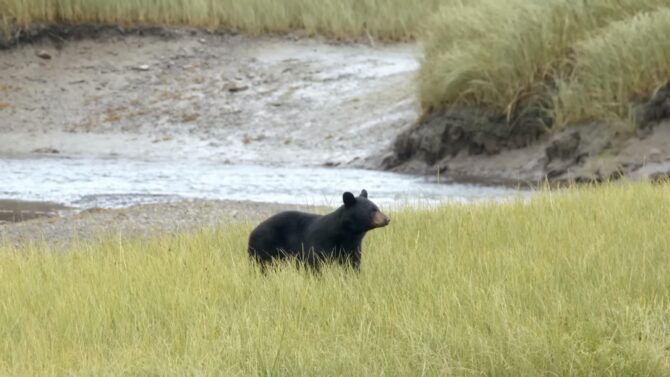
(364, 194)
(348, 199)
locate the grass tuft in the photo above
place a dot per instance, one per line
(621, 64)
(378, 19)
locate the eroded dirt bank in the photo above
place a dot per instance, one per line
(470, 145)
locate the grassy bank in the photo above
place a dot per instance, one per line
(570, 284)
(378, 19)
(579, 61)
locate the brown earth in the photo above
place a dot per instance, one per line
(475, 146)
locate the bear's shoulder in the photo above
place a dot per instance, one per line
(292, 218)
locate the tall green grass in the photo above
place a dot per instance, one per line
(572, 283)
(623, 63)
(498, 54)
(378, 19)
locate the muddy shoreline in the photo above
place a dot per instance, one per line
(183, 93)
(60, 229)
(311, 112)
(469, 145)
(159, 93)
(14, 211)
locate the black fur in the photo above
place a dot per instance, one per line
(314, 239)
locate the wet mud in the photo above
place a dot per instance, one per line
(189, 94)
(13, 211)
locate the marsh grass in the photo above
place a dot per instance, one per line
(584, 60)
(378, 19)
(623, 63)
(571, 283)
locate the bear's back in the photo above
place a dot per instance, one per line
(283, 231)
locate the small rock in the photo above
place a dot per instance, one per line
(616, 174)
(660, 177)
(648, 114)
(491, 146)
(93, 210)
(654, 155)
(555, 173)
(48, 150)
(455, 133)
(202, 40)
(234, 88)
(43, 54)
(143, 67)
(564, 148)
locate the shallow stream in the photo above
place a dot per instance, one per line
(116, 182)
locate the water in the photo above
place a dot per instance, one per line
(115, 182)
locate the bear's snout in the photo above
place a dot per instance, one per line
(380, 220)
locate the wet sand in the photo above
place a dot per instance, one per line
(20, 210)
(148, 220)
(188, 94)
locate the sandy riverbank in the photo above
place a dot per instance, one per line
(148, 220)
(183, 93)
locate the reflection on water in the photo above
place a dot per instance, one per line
(89, 182)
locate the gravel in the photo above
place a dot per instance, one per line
(148, 220)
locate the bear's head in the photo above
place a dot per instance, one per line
(360, 214)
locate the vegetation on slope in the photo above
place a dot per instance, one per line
(378, 19)
(621, 64)
(574, 283)
(577, 60)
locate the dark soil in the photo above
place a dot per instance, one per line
(473, 145)
(60, 33)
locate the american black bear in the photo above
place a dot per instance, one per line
(313, 239)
